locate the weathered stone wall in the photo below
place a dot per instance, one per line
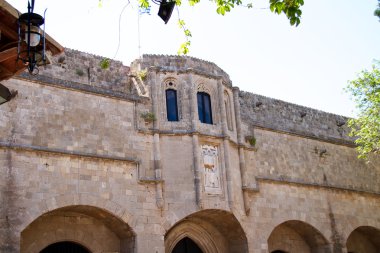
(260, 111)
(83, 68)
(62, 119)
(304, 145)
(293, 158)
(328, 214)
(181, 65)
(57, 143)
(77, 146)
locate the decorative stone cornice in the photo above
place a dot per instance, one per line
(33, 148)
(309, 184)
(59, 83)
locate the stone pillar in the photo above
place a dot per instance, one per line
(243, 170)
(149, 243)
(9, 195)
(226, 147)
(158, 170)
(10, 192)
(193, 103)
(222, 107)
(196, 152)
(236, 102)
(156, 140)
(197, 172)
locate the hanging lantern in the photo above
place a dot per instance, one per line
(166, 9)
(31, 39)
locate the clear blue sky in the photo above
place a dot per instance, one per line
(308, 65)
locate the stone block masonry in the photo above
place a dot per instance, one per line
(79, 164)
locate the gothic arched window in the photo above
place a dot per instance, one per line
(204, 107)
(171, 105)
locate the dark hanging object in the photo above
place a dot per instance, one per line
(5, 94)
(166, 10)
(31, 39)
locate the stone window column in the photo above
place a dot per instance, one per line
(156, 141)
(243, 170)
(195, 140)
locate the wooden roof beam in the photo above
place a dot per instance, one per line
(8, 32)
(7, 54)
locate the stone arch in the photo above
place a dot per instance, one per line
(297, 236)
(364, 239)
(84, 199)
(202, 87)
(214, 231)
(171, 83)
(95, 228)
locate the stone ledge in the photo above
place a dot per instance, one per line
(254, 149)
(332, 140)
(181, 63)
(250, 189)
(24, 147)
(308, 184)
(55, 82)
(270, 113)
(192, 71)
(146, 180)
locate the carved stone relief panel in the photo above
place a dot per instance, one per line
(211, 171)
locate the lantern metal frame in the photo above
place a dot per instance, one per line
(30, 52)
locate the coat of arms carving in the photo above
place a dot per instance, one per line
(210, 162)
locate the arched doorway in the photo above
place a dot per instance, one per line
(92, 228)
(296, 236)
(65, 247)
(186, 245)
(212, 231)
(364, 239)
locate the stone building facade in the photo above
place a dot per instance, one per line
(167, 156)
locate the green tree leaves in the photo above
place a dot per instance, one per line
(291, 8)
(184, 48)
(365, 91)
(224, 6)
(144, 4)
(377, 11)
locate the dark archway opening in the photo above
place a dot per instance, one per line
(75, 224)
(364, 239)
(65, 247)
(212, 230)
(297, 236)
(186, 245)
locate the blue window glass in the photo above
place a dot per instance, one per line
(171, 105)
(204, 107)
